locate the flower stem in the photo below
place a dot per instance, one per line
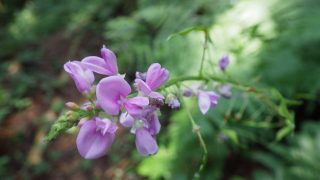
(203, 53)
(196, 129)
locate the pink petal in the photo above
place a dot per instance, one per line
(142, 87)
(105, 126)
(110, 91)
(145, 143)
(110, 60)
(96, 64)
(156, 95)
(134, 106)
(126, 120)
(156, 76)
(154, 124)
(91, 143)
(204, 102)
(214, 97)
(82, 77)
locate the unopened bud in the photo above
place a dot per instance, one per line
(172, 101)
(225, 91)
(187, 93)
(87, 106)
(224, 62)
(72, 106)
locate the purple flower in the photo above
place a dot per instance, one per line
(145, 143)
(107, 65)
(224, 62)
(207, 99)
(148, 120)
(225, 91)
(111, 96)
(155, 77)
(95, 137)
(82, 76)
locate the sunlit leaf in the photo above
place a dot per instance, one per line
(187, 31)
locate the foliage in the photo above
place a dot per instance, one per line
(299, 159)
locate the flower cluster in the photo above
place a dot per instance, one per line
(113, 96)
(114, 103)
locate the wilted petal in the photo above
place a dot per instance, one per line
(142, 76)
(145, 143)
(91, 143)
(96, 64)
(126, 120)
(82, 77)
(134, 106)
(156, 76)
(110, 60)
(204, 102)
(110, 91)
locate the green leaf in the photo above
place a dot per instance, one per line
(255, 124)
(283, 110)
(284, 132)
(187, 31)
(276, 94)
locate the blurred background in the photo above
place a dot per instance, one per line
(272, 43)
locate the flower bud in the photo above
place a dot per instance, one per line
(172, 101)
(187, 93)
(225, 91)
(72, 106)
(224, 62)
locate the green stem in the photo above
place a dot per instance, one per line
(203, 53)
(234, 83)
